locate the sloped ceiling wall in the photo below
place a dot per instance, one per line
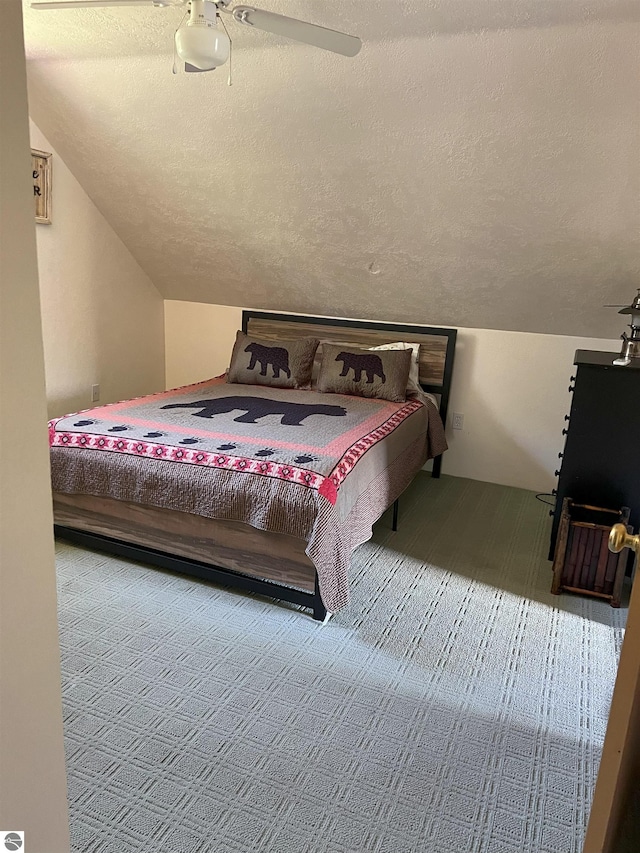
(475, 165)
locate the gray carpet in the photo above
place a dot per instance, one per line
(455, 707)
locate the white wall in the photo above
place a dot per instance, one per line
(33, 791)
(198, 340)
(512, 388)
(102, 318)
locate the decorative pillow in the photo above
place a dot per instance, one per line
(363, 373)
(413, 383)
(280, 364)
(317, 360)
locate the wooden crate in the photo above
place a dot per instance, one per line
(582, 561)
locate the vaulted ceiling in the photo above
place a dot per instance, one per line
(475, 165)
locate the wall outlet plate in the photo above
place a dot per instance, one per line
(457, 420)
(95, 393)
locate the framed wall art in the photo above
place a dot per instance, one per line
(41, 175)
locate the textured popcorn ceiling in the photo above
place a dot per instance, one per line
(475, 165)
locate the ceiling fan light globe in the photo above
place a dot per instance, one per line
(203, 47)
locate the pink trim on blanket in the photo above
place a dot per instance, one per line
(326, 486)
(172, 392)
(344, 442)
(357, 450)
(218, 436)
(121, 404)
(152, 450)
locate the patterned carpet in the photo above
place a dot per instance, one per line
(455, 707)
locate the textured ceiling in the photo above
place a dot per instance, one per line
(475, 165)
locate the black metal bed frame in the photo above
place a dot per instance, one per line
(227, 577)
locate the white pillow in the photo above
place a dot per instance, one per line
(413, 383)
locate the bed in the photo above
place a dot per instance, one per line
(263, 489)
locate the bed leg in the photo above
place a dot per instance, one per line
(320, 613)
(396, 506)
(437, 465)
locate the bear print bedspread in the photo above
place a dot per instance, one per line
(322, 467)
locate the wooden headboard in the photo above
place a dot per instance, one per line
(437, 346)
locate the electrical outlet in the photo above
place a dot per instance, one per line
(95, 393)
(457, 420)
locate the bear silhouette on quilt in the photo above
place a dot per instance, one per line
(256, 407)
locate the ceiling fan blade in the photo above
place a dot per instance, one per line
(90, 4)
(291, 28)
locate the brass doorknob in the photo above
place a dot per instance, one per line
(619, 539)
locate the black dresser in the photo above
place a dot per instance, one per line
(601, 458)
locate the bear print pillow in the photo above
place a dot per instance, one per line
(413, 383)
(363, 373)
(279, 364)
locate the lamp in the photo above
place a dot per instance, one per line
(199, 42)
(631, 343)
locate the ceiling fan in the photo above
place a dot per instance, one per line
(203, 47)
